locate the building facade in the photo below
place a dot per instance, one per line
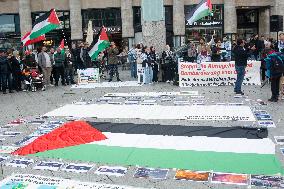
(123, 19)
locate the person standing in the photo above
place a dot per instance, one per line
(45, 64)
(154, 64)
(192, 52)
(146, 64)
(51, 55)
(275, 69)
(84, 56)
(132, 56)
(15, 63)
(75, 54)
(113, 61)
(167, 56)
(59, 59)
(241, 58)
(69, 67)
(5, 72)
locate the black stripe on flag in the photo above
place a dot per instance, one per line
(189, 15)
(177, 130)
(42, 17)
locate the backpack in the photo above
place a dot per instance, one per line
(277, 64)
(139, 58)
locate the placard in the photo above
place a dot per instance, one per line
(89, 75)
(216, 74)
(111, 171)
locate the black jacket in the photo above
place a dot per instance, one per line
(5, 67)
(215, 56)
(241, 56)
(15, 65)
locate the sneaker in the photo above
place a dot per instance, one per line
(4, 92)
(273, 100)
(110, 80)
(240, 93)
(119, 80)
(43, 88)
(11, 91)
(50, 85)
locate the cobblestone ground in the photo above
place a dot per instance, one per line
(23, 104)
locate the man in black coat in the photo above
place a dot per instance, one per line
(241, 58)
(5, 72)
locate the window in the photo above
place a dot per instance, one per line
(207, 26)
(216, 19)
(101, 17)
(137, 19)
(9, 23)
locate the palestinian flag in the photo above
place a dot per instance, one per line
(44, 24)
(61, 46)
(246, 151)
(204, 8)
(100, 44)
(26, 40)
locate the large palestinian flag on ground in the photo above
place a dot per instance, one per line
(222, 149)
(44, 24)
(26, 40)
(204, 8)
(99, 44)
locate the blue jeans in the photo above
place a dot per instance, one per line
(147, 76)
(240, 78)
(133, 68)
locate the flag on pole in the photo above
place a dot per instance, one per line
(61, 46)
(44, 24)
(26, 40)
(204, 8)
(100, 44)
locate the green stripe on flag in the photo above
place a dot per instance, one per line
(245, 163)
(43, 30)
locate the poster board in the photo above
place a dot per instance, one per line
(216, 74)
(89, 75)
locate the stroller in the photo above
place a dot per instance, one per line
(33, 79)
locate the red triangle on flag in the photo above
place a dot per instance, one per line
(27, 41)
(209, 4)
(53, 19)
(62, 44)
(103, 35)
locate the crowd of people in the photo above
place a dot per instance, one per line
(35, 69)
(52, 66)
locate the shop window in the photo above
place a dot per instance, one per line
(10, 33)
(8, 23)
(137, 19)
(206, 26)
(101, 17)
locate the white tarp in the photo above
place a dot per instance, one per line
(105, 111)
(106, 85)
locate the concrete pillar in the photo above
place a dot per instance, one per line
(230, 16)
(127, 19)
(179, 18)
(264, 22)
(278, 8)
(25, 16)
(76, 19)
(154, 32)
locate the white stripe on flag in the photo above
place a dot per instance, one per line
(196, 143)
